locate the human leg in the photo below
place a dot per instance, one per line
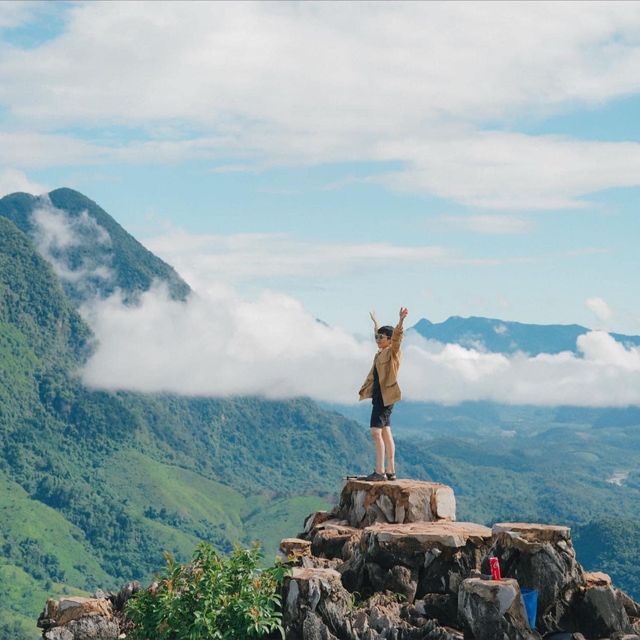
(378, 443)
(389, 448)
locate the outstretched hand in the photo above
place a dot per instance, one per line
(404, 312)
(372, 315)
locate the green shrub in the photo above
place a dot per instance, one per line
(211, 598)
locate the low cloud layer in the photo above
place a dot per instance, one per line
(217, 344)
(220, 344)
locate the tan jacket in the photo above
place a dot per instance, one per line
(387, 361)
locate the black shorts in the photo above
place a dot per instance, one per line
(381, 416)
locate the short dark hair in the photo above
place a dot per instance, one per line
(386, 330)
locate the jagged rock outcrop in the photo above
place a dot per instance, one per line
(293, 549)
(391, 562)
(78, 618)
(541, 557)
(317, 607)
(401, 540)
(416, 559)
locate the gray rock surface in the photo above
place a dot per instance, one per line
(493, 610)
(316, 594)
(601, 612)
(90, 628)
(434, 557)
(541, 557)
(364, 503)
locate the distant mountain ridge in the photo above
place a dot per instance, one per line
(507, 337)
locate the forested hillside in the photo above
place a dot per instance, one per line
(109, 256)
(94, 486)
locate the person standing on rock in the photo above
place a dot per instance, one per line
(381, 385)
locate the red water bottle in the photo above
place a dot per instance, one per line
(494, 563)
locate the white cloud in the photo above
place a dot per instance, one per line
(490, 224)
(13, 14)
(217, 344)
(514, 171)
(55, 233)
(607, 374)
(199, 258)
(265, 83)
(34, 150)
(230, 63)
(12, 180)
(600, 309)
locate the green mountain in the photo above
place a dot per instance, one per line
(109, 256)
(94, 486)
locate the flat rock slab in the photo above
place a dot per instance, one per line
(425, 535)
(532, 532)
(339, 526)
(364, 503)
(597, 579)
(293, 549)
(305, 574)
(70, 608)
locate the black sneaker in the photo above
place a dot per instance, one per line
(390, 476)
(375, 477)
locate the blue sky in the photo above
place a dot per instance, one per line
(455, 158)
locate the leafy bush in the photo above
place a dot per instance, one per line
(213, 598)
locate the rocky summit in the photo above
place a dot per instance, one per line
(390, 562)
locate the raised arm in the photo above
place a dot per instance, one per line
(398, 331)
(374, 318)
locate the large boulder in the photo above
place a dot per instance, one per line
(60, 612)
(315, 604)
(293, 550)
(90, 628)
(493, 610)
(601, 608)
(416, 559)
(317, 607)
(541, 557)
(78, 618)
(364, 503)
